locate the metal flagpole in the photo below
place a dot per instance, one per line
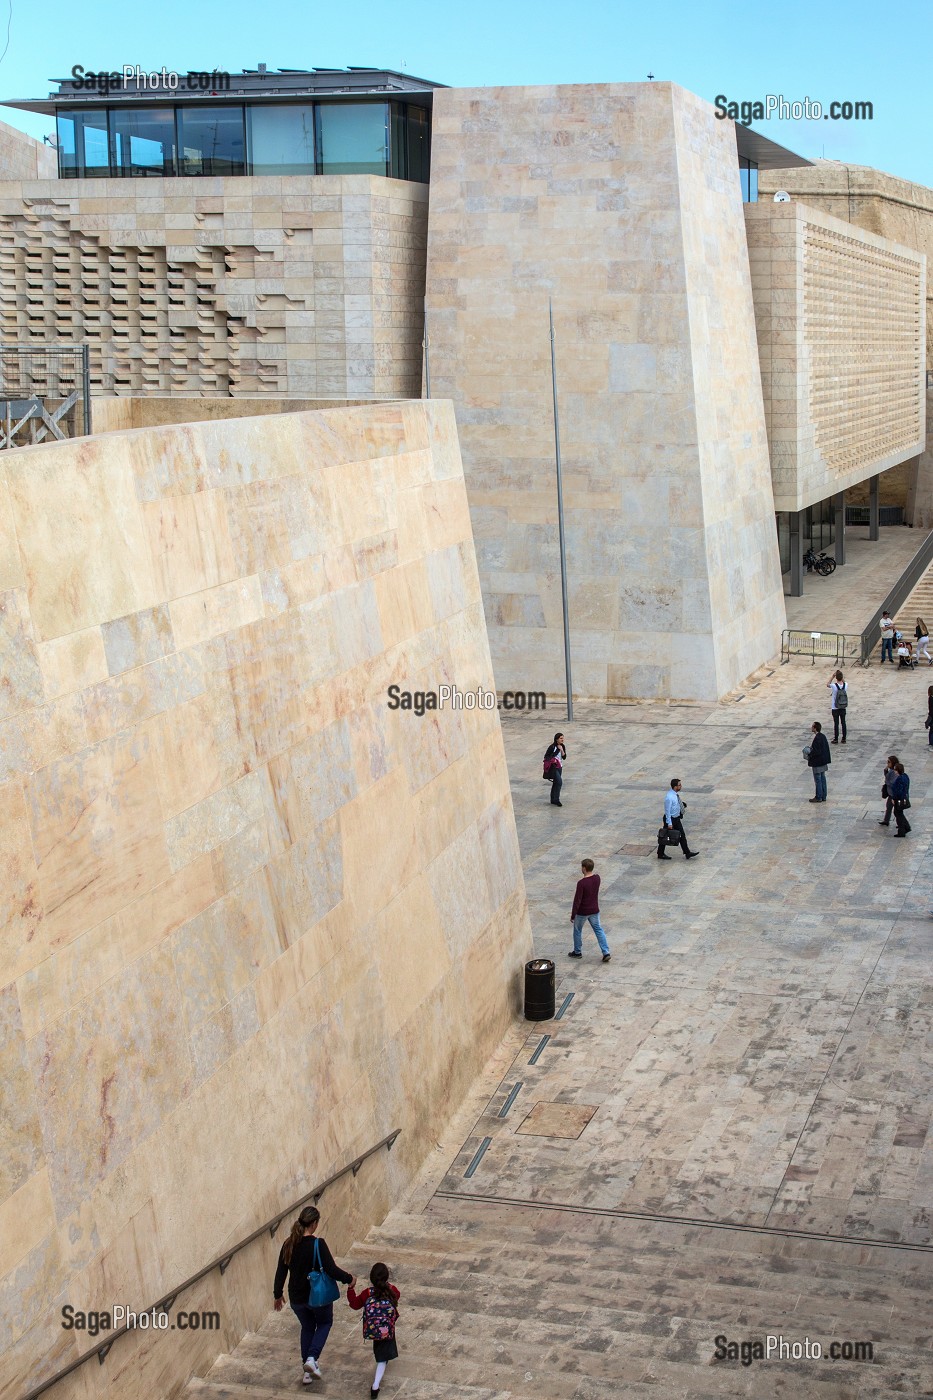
(427, 361)
(560, 518)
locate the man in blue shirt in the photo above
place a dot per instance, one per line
(674, 808)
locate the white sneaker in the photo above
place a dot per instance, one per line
(307, 1378)
(313, 1367)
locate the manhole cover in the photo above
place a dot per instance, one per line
(558, 1120)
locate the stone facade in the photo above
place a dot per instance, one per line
(292, 287)
(622, 203)
(22, 158)
(252, 920)
(893, 209)
(840, 316)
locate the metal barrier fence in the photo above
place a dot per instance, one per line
(835, 647)
(887, 515)
(45, 393)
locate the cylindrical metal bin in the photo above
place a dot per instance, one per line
(540, 990)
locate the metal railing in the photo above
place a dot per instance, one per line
(221, 1262)
(898, 595)
(836, 647)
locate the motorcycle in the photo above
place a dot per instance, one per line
(822, 565)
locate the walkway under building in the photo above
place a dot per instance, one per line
(847, 600)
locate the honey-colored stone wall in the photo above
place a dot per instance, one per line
(251, 920)
(291, 286)
(112, 414)
(23, 158)
(841, 335)
(894, 209)
(622, 204)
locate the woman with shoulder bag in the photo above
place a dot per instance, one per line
(554, 759)
(312, 1287)
(928, 722)
(921, 632)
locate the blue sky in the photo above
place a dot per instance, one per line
(830, 51)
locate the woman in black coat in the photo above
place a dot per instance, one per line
(303, 1251)
(556, 756)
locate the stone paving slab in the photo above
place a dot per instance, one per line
(759, 1046)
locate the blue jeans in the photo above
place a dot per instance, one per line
(887, 646)
(820, 782)
(315, 1325)
(595, 925)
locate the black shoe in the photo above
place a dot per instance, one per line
(835, 741)
(660, 857)
(900, 833)
(815, 799)
(691, 855)
(374, 1392)
(843, 741)
(557, 804)
(574, 955)
(884, 823)
(606, 957)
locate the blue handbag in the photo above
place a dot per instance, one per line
(324, 1289)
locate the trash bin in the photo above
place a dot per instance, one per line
(539, 990)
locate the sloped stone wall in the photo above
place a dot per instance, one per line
(251, 920)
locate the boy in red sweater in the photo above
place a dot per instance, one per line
(586, 907)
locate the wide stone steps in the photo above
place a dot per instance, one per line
(505, 1303)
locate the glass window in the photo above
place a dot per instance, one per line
(419, 145)
(352, 138)
(748, 174)
(281, 140)
(211, 140)
(398, 143)
(143, 140)
(83, 148)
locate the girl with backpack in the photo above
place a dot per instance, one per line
(554, 759)
(312, 1287)
(838, 704)
(379, 1303)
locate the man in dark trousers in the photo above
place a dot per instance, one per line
(819, 758)
(674, 808)
(586, 909)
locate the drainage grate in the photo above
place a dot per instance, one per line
(564, 1004)
(478, 1156)
(541, 1044)
(513, 1095)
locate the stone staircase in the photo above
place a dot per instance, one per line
(919, 604)
(502, 1301)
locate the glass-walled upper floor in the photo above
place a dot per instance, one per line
(309, 138)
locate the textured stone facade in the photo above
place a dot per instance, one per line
(623, 204)
(294, 286)
(22, 158)
(841, 339)
(252, 920)
(894, 209)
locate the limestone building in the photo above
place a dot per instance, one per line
(299, 236)
(892, 209)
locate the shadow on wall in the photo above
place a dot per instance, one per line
(253, 920)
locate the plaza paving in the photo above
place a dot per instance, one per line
(728, 1130)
